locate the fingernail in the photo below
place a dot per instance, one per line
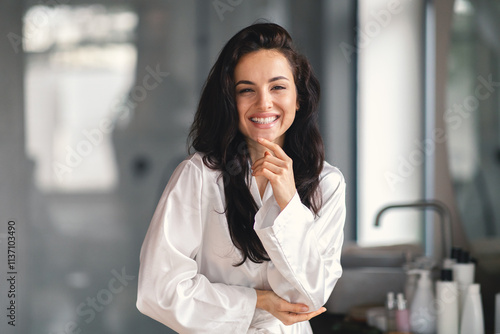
(304, 309)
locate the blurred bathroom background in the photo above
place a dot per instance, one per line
(96, 100)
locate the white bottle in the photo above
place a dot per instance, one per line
(447, 304)
(472, 318)
(410, 285)
(422, 310)
(463, 274)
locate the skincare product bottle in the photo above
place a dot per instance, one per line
(455, 253)
(472, 318)
(422, 311)
(410, 285)
(402, 315)
(448, 262)
(463, 274)
(390, 310)
(447, 301)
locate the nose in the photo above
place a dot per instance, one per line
(264, 101)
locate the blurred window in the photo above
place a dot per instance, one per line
(391, 149)
(80, 63)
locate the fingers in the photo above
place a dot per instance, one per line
(287, 313)
(266, 166)
(270, 163)
(275, 148)
(297, 312)
(270, 160)
(292, 308)
(292, 318)
(316, 313)
(279, 159)
(278, 170)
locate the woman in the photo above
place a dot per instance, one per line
(247, 236)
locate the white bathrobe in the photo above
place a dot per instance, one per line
(187, 280)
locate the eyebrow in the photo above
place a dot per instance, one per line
(251, 83)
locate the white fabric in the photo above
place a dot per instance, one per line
(187, 280)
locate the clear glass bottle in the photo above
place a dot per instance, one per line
(391, 312)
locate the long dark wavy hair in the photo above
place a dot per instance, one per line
(215, 133)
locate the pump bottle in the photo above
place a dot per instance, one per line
(402, 315)
(422, 311)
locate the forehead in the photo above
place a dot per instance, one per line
(263, 63)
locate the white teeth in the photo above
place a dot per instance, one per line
(265, 120)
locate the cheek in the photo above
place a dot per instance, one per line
(291, 109)
(241, 105)
(292, 105)
(290, 118)
(239, 109)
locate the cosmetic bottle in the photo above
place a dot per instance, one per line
(390, 311)
(402, 315)
(422, 311)
(463, 274)
(454, 254)
(472, 318)
(447, 304)
(410, 285)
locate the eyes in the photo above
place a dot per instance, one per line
(250, 90)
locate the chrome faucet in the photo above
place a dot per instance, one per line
(435, 205)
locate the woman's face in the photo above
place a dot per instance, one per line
(266, 97)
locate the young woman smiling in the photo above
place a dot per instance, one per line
(247, 236)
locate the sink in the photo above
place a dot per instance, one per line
(368, 274)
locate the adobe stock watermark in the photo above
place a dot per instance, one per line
(453, 118)
(423, 319)
(94, 137)
(39, 18)
(88, 309)
(379, 20)
(223, 6)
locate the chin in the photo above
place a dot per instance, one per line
(273, 138)
(268, 136)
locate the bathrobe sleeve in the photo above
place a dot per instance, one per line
(170, 288)
(304, 249)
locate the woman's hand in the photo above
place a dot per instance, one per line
(278, 169)
(284, 311)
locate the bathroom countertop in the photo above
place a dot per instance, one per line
(328, 323)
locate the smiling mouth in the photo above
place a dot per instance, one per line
(264, 120)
